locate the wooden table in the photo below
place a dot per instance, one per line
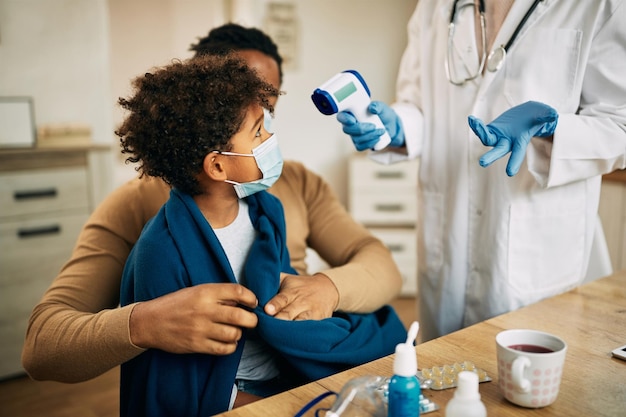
(590, 318)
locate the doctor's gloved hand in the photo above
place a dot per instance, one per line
(366, 135)
(512, 132)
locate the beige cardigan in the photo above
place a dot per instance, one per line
(77, 331)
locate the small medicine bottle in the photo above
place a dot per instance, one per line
(404, 387)
(466, 400)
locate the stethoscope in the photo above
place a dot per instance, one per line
(496, 57)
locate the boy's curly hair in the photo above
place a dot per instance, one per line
(181, 112)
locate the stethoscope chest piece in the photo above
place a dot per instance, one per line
(496, 59)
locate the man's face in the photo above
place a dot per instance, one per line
(265, 65)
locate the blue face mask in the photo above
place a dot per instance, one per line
(269, 160)
(267, 120)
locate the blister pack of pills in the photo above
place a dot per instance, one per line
(427, 405)
(444, 377)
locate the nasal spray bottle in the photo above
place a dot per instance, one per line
(404, 387)
(348, 91)
(466, 401)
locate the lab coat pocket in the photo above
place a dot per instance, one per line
(432, 224)
(542, 66)
(546, 247)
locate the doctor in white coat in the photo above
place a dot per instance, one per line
(492, 242)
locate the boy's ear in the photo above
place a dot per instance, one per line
(214, 168)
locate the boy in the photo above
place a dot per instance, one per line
(199, 126)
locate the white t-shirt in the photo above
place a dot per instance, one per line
(258, 361)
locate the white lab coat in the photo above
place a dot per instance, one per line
(492, 243)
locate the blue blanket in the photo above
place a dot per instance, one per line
(179, 249)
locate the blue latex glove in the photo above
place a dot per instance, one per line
(512, 131)
(366, 135)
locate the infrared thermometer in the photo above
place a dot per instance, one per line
(348, 91)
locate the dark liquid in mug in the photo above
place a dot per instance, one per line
(531, 348)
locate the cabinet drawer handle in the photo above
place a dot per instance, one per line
(43, 193)
(39, 231)
(389, 207)
(395, 247)
(389, 175)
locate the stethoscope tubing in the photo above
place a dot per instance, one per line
(497, 56)
(450, 47)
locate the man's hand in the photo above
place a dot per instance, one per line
(205, 318)
(304, 298)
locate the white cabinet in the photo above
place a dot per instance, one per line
(45, 198)
(384, 199)
(612, 212)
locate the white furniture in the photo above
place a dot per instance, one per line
(613, 215)
(384, 199)
(45, 197)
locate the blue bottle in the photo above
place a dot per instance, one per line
(404, 387)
